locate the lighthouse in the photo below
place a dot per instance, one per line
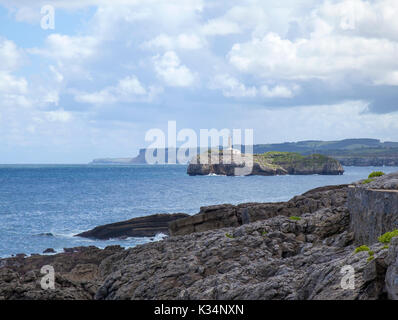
(231, 151)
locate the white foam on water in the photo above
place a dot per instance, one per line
(160, 236)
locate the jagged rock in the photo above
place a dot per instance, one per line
(210, 265)
(76, 274)
(147, 226)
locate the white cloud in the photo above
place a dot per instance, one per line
(15, 100)
(11, 57)
(252, 17)
(169, 68)
(70, 48)
(231, 87)
(10, 84)
(278, 91)
(319, 57)
(128, 89)
(361, 18)
(58, 116)
(58, 75)
(51, 97)
(389, 78)
(221, 27)
(146, 16)
(182, 41)
(353, 39)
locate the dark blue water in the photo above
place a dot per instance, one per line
(68, 199)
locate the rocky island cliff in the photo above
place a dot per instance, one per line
(297, 249)
(267, 164)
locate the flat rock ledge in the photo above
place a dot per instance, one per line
(147, 226)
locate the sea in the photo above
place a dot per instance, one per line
(44, 206)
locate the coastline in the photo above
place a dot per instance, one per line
(275, 257)
(66, 200)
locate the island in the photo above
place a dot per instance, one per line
(267, 164)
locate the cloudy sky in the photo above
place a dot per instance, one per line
(111, 70)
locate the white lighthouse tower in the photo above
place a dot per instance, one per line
(231, 151)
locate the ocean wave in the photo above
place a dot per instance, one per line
(160, 236)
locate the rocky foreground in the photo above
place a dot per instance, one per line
(291, 250)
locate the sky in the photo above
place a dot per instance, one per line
(93, 83)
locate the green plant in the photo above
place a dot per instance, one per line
(371, 253)
(362, 248)
(264, 233)
(366, 181)
(229, 236)
(385, 247)
(376, 174)
(386, 238)
(294, 218)
(370, 258)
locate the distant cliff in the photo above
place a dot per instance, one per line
(368, 161)
(350, 152)
(267, 164)
(114, 161)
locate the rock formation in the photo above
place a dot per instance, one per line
(267, 164)
(300, 249)
(77, 274)
(147, 226)
(374, 204)
(226, 215)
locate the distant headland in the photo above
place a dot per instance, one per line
(349, 152)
